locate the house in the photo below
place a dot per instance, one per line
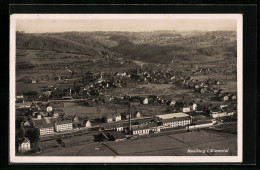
(145, 101)
(86, 123)
(63, 126)
(145, 129)
(234, 97)
(34, 81)
(19, 98)
(116, 117)
(55, 114)
(172, 103)
(46, 129)
(75, 121)
(217, 114)
(225, 98)
(185, 108)
(137, 114)
(116, 136)
(49, 109)
(24, 145)
(45, 126)
(108, 119)
(197, 87)
(193, 106)
(125, 115)
(119, 128)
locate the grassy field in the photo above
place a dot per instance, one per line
(24, 87)
(90, 149)
(230, 86)
(171, 145)
(71, 108)
(52, 57)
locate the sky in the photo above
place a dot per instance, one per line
(133, 25)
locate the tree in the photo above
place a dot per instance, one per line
(32, 134)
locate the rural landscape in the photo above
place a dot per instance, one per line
(122, 93)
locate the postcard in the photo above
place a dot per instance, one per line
(126, 88)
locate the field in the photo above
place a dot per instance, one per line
(72, 108)
(170, 145)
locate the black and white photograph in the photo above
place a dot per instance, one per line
(126, 88)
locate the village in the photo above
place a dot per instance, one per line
(41, 119)
(93, 93)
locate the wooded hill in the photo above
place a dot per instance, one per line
(123, 44)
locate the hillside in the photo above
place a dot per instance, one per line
(154, 47)
(54, 43)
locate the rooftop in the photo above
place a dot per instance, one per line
(174, 119)
(172, 115)
(141, 127)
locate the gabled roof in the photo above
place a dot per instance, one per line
(42, 123)
(86, 120)
(64, 122)
(109, 116)
(116, 115)
(25, 140)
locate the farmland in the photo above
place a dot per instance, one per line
(169, 145)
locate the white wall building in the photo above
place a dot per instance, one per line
(25, 145)
(185, 109)
(218, 114)
(64, 126)
(87, 123)
(46, 130)
(116, 117)
(145, 101)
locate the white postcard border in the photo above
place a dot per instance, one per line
(125, 159)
